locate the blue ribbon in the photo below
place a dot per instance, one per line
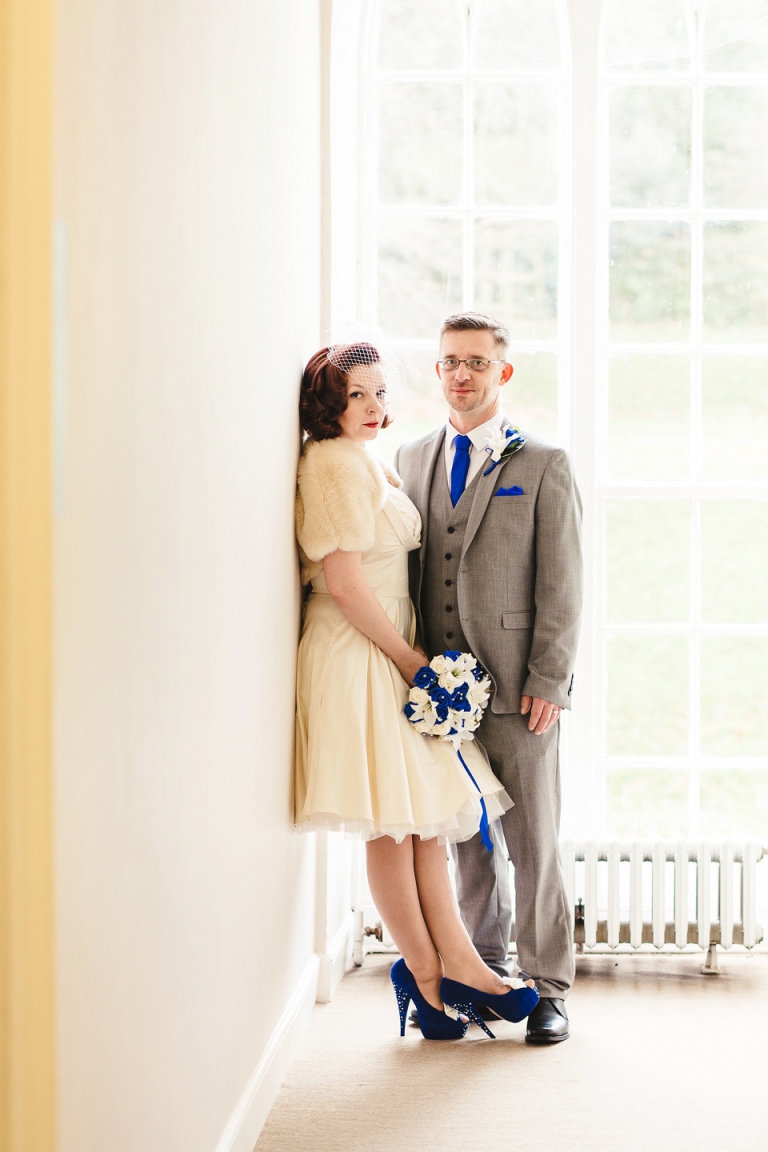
(485, 835)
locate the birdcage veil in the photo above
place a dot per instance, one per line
(366, 358)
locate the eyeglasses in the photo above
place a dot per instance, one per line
(474, 363)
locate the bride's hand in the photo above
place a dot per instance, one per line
(411, 665)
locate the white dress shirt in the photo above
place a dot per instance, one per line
(477, 454)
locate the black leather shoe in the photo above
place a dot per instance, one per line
(483, 1012)
(548, 1023)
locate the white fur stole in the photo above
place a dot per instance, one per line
(341, 489)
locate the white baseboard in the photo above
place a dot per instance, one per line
(335, 962)
(248, 1118)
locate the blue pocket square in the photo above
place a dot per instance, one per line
(515, 490)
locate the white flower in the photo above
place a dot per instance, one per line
(495, 444)
(478, 693)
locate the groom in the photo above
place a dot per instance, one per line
(499, 575)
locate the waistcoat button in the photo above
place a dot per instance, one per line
(449, 635)
(449, 608)
(451, 531)
(449, 555)
(448, 583)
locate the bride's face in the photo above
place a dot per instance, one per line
(366, 403)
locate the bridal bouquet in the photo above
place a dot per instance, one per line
(449, 697)
(447, 701)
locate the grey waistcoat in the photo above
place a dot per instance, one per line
(445, 541)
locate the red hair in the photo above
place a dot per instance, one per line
(323, 394)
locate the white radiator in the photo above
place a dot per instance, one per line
(638, 892)
(661, 893)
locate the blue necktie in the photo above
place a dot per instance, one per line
(460, 467)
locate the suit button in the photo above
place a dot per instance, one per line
(449, 608)
(448, 583)
(449, 635)
(451, 531)
(449, 555)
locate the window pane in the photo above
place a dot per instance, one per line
(736, 281)
(422, 407)
(734, 803)
(647, 803)
(735, 170)
(530, 397)
(420, 143)
(647, 553)
(516, 143)
(649, 35)
(736, 36)
(650, 280)
(516, 275)
(650, 146)
(734, 417)
(647, 696)
(516, 34)
(649, 418)
(734, 561)
(420, 263)
(734, 696)
(424, 35)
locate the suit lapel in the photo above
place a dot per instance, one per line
(483, 493)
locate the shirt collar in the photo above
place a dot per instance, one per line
(479, 435)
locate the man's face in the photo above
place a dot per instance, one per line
(475, 393)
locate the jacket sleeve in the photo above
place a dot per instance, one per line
(558, 584)
(337, 501)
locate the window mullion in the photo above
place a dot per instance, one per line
(469, 188)
(585, 801)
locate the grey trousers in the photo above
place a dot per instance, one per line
(528, 767)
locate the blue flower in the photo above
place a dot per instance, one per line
(425, 677)
(441, 712)
(440, 696)
(459, 699)
(409, 709)
(478, 672)
(451, 655)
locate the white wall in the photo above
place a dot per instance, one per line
(189, 191)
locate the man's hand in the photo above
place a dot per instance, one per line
(543, 713)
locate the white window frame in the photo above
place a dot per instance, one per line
(582, 345)
(695, 489)
(468, 210)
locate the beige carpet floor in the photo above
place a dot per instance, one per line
(660, 1057)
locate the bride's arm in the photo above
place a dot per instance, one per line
(344, 577)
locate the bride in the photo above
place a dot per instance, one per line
(360, 765)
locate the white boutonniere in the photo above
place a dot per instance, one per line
(501, 445)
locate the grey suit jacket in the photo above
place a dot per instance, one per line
(519, 587)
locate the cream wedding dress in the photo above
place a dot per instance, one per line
(360, 765)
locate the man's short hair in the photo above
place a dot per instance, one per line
(477, 322)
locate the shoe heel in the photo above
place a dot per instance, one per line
(402, 993)
(403, 1000)
(471, 1014)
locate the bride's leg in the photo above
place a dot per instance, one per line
(446, 928)
(392, 880)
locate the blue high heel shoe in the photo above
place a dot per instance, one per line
(514, 1005)
(434, 1024)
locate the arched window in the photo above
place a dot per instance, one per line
(467, 187)
(683, 465)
